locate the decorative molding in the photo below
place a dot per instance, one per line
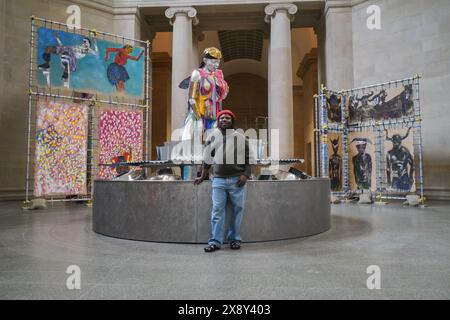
(190, 12)
(167, 3)
(272, 9)
(308, 60)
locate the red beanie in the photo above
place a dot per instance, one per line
(226, 112)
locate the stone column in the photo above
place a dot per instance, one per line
(319, 30)
(280, 108)
(181, 18)
(338, 44)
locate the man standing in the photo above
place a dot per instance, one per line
(228, 151)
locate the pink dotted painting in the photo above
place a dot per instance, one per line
(120, 139)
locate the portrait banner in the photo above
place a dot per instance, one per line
(399, 157)
(334, 109)
(362, 165)
(88, 64)
(120, 140)
(61, 149)
(335, 161)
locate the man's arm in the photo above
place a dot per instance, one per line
(248, 169)
(205, 170)
(206, 165)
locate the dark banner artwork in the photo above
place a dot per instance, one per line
(399, 150)
(334, 110)
(335, 161)
(362, 171)
(392, 103)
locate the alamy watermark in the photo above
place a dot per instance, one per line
(233, 146)
(374, 280)
(373, 22)
(74, 280)
(74, 19)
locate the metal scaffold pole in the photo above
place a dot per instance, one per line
(418, 135)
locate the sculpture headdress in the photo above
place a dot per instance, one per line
(212, 53)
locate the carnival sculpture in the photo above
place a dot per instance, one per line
(207, 89)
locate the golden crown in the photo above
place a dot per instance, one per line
(213, 52)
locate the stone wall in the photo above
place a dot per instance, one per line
(414, 38)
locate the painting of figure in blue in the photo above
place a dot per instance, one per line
(82, 63)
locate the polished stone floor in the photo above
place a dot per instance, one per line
(411, 246)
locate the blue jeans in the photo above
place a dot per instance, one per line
(222, 189)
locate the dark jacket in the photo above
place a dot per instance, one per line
(229, 154)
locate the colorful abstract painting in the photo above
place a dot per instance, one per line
(88, 64)
(60, 157)
(120, 139)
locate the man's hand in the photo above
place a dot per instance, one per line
(198, 180)
(242, 181)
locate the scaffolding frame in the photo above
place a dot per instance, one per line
(36, 92)
(323, 127)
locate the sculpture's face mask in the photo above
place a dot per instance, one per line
(211, 64)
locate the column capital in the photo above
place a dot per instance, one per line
(272, 9)
(190, 12)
